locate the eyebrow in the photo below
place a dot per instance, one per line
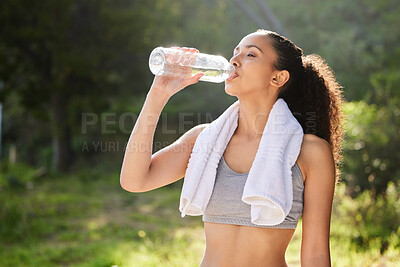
(249, 46)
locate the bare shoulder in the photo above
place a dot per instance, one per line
(191, 135)
(198, 129)
(315, 155)
(314, 143)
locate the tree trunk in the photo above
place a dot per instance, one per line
(61, 133)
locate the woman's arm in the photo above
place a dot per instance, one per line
(318, 197)
(138, 159)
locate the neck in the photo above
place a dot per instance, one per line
(253, 116)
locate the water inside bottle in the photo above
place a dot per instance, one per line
(211, 75)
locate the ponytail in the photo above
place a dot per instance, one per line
(312, 94)
(323, 103)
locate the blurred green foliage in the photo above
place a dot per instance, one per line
(15, 180)
(372, 145)
(369, 221)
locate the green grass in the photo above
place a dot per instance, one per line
(88, 220)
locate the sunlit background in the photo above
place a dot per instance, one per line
(73, 78)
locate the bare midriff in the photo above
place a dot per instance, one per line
(230, 245)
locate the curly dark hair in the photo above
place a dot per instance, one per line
(312, 94)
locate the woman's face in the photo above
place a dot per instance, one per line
(253, 59)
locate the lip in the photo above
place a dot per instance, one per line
(234, 75)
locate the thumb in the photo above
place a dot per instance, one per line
(193, 80)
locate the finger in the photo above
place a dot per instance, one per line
(193, 58)
(182, 48)
(183, 71)
(190, 49)
(173, 55)
(169, 54)
(190, 55)
(187, 58)
(192, 80)
(176, 57)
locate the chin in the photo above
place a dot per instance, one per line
(231, 89)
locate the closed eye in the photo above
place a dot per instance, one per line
(249, 55)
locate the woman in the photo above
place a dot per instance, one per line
(268, 66)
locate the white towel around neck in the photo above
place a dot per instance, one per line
(268, 188)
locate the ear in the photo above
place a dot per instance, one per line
(279, 78)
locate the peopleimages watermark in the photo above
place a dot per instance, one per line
(116, 146)
(111, 124)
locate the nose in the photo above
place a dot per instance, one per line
(234, 61)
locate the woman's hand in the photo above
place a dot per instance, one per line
(170, 85)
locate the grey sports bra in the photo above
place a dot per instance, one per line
(226, 205)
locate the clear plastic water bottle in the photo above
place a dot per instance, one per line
(178, 63)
